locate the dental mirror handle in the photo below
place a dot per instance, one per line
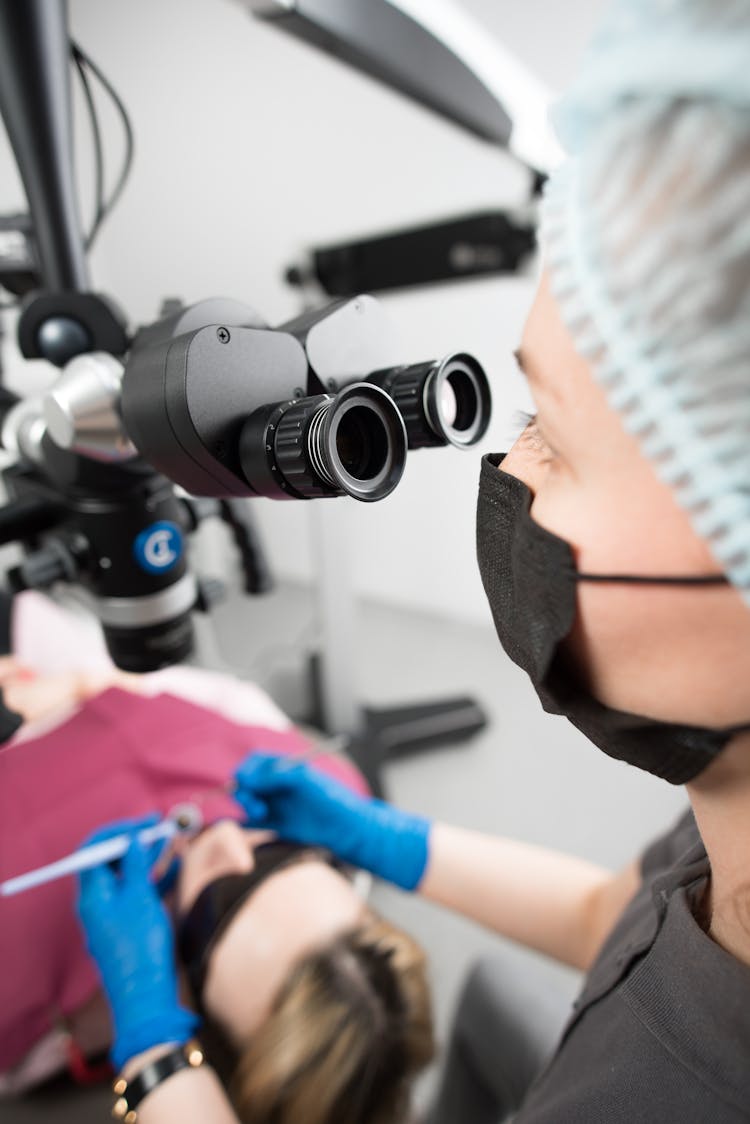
(94, 855)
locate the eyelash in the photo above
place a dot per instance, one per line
(522, 419)
(524, 422)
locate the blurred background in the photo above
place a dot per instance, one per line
(251, 148)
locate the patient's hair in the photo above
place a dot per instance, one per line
(347, 1033)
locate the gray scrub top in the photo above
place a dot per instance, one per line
(661, 1030)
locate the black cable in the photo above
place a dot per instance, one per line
(97, 139)
(81, 57)
(126, 124)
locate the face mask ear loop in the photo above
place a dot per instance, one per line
(645, 579)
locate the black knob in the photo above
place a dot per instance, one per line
(41, 569)
(306, 475)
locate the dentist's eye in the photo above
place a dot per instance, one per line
(521, 421)
(526, 427)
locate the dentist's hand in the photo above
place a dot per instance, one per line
(305, 806)
(130, 937)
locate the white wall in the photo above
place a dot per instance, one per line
(250, 146)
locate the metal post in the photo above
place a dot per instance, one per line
(36, 109)
(336, 660)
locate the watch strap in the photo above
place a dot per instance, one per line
(130, 1093)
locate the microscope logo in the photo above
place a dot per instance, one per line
(159, 547)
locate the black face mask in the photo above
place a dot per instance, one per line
(530, 578)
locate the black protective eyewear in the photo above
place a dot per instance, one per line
(212, 911)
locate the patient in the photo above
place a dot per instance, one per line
(314, 1008)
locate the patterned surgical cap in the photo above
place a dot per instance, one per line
(646, 228)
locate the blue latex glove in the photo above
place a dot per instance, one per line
(129, 936)
(306, 806)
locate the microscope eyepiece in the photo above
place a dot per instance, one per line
(442, 402)
(353, 443)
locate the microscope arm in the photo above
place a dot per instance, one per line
(436, 54)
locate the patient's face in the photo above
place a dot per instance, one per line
(293, 911)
